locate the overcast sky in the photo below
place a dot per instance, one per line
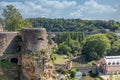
(84, 9)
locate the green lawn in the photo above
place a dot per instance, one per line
(90, 78)
(60, 59)
(74, 63)
(87, 78)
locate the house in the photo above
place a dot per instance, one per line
(109, 64)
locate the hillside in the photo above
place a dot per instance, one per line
(61, 25)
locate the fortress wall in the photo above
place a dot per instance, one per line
(7, 42)
(34, 39)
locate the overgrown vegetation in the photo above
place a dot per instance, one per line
(12, 19)
(63, 25)
(70, 43)
(93, 46)
(96, 46)
(5, 63)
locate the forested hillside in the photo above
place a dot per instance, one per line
(61, 25)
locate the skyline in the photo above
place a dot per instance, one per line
(83, 9)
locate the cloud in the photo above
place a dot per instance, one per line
(92, 7)
(59, 4)
(27, 8)
(89, 9)
(35, 8)
(76, 14)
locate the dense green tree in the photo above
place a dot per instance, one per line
(59, 38)
(73, 73)
(112, 37)
(96, 46)
(52, 55)
(27, 23)
(64, 48)
(1, 21)
(75, 47)
(72, 40)
(115, 50)
(94, 73)
(13, 19)
(73, 25)
(67, 36)
(72, 47)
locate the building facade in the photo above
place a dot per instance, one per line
(109, 64)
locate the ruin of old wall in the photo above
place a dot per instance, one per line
(7, 42)
(34, 39)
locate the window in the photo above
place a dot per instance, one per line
(117, 63)
(40, 39)
(113, 63)
(109, 63)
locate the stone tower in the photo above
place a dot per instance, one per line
(36, 54)
(34, 39)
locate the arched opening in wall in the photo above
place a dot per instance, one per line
(14, 60)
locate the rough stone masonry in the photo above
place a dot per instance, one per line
(30, 47)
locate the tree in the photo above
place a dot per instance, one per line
(115, 43)
(1, 21)
(50, 41)
(75, 46)
(27, 23)
(52, 55)
(112, 37)
(96, 46)
(64, 48)
(115, 50)
(93, 73)
(73, 73)
(75, 25)
(13, 19)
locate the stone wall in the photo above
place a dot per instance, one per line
(34, 39)
(36, 54)
(7, 42)
(33, 55)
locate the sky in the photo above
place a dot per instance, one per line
(83, 9)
